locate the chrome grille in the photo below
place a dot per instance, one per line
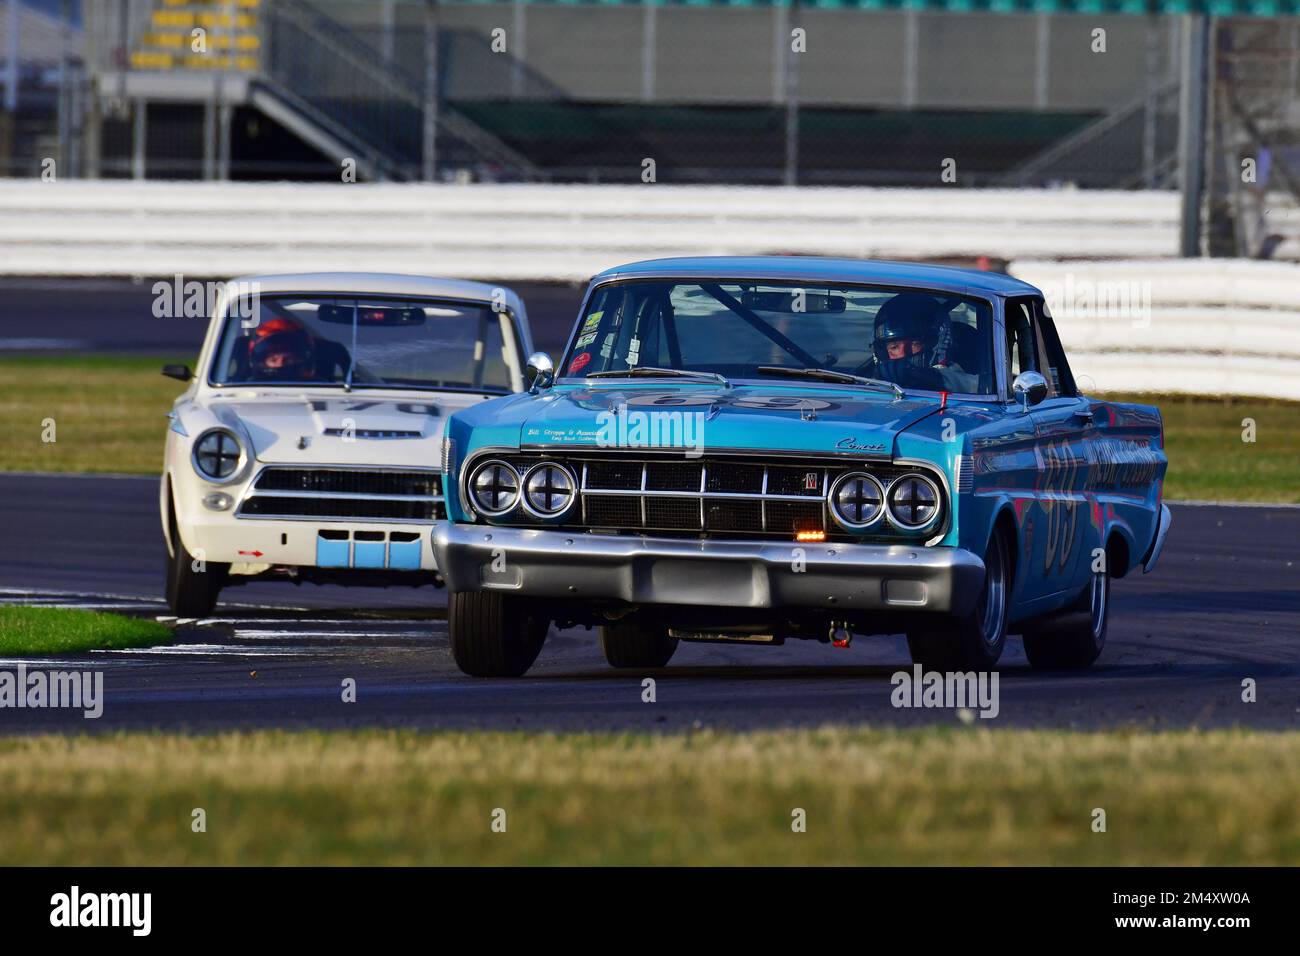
(777, 498)
(710, 496)
(730, 476)
(345, 494)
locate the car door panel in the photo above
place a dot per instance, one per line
(1127, 468)
(1055, 526)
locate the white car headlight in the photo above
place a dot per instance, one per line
(218, 455)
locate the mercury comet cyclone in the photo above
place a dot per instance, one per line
(752, 450)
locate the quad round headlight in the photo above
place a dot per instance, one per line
(913, 502)
(494, 488)
(550, 489)
(857, 500)
(218, 455)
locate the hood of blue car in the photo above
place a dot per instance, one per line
(704, 417)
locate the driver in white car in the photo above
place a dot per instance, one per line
(281, 350)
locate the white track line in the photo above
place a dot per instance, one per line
(88, 606)
(234, 650)
(41, 592)
(1197, 503)
(204, 622)
(111, 475)
(325, 635)
(207, 650)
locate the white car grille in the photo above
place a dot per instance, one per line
(345, 494)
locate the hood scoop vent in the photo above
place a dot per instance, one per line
(383, 433)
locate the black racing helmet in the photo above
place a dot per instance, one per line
(908, 315)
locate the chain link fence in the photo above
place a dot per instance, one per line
(627, 92)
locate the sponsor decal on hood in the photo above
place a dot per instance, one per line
(698, 419)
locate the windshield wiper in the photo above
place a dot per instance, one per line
(652, 372)
(830, 375)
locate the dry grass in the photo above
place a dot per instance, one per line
(1208, 459)
(107, 410)
(872, 797)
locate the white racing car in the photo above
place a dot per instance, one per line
(308, 444)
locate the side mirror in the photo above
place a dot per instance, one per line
(539, 371)
(181, 373)
(1029, 388)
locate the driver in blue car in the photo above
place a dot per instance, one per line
(913, 345)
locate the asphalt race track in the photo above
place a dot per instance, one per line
(1224, 605)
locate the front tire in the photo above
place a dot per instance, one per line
(974, 642)
(192, 593)
(1072, 639)
(636, 644)
(493, 634)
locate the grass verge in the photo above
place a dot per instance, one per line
(1208, 459)
(935, 796)
(108, 416)
(107, 412)
(48, 630)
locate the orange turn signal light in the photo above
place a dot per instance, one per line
(810, 536)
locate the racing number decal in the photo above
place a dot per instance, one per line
(1060, 476)
(791, 402)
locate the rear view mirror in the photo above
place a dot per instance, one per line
(539, 372)
(794, 301)
(1029, 388)
(181, 373)
(370, 315)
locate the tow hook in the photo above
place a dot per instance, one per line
(841, 636)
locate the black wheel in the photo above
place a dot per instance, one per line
(974, 642)
(191, 592)
(1073, 638)
(638, 644)
(494, 634)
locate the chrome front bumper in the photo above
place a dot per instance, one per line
(715, 573)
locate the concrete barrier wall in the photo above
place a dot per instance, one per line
(1200, 326)
(534, 232)
(1132, 316)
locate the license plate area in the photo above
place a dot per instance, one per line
(725, 583)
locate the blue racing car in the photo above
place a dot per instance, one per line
(757, 449)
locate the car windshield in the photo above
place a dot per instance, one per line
(914, 338)
(366, 342)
